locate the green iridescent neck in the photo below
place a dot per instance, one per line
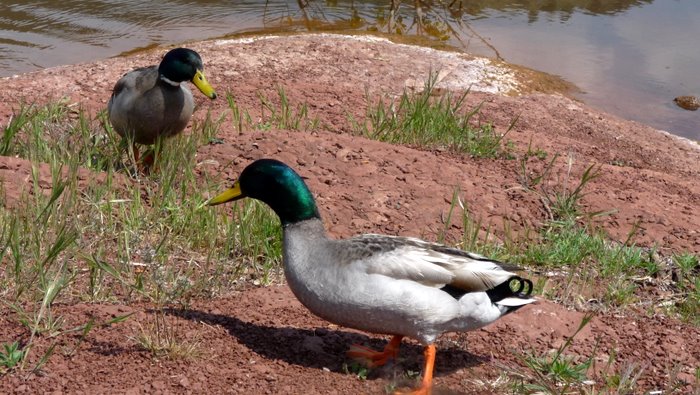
(298, 202)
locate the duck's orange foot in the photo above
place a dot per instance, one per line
(372, 358)
(427, 382)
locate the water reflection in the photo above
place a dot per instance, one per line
(36, 34)
(630, 56)
(563, 9)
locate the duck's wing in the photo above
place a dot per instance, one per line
(136, 80)
(427, 263)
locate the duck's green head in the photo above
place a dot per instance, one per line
(182, 64)
(275, 184)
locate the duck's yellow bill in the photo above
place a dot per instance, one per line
(200, 81)
(228, 195)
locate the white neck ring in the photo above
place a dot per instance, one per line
(173, 83)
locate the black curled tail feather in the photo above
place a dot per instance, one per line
(523, 285)
(522, 289)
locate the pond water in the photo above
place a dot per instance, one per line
(630, 57)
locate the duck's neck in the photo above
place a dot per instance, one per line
(169, 81)
(309, 229)
(305, 257)
(297, 205)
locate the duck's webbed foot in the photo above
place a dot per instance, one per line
(372, 358)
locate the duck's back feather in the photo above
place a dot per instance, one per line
(427, 263)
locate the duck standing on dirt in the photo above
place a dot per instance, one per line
(381, 284)
(150, 102)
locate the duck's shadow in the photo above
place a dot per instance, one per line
(321, 348)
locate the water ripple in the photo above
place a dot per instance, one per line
(605, 47)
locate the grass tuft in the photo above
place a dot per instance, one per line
(434, 120)
(162, 337)
(554, 372)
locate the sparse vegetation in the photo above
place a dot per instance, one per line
(113, 236)
(558, 372)
(432, 119)
(555, 372)
(356, 369)
(162, 337)
(275, 114)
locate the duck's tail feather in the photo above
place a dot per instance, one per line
(512, 295)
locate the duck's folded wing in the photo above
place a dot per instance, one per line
(428, 263)
(406, 263)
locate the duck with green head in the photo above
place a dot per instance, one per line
(401, 286)
(151, 102)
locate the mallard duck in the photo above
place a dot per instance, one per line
(381, 284)
(149, 102)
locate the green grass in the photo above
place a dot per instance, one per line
(687, 283)
(120, 220)
(10, 356)
(433, 120)
(555, 372)
(101, 233)
(277, 113)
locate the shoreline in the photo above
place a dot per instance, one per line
(503, 78)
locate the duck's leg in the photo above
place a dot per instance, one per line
(426, 384)
(136, 153)
(148, 161)
(373, 358)
(152, 157)
(145, 163)
(141, 167)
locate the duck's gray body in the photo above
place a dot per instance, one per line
(392, 285)
(144, 106)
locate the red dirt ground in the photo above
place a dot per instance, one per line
(261, 340)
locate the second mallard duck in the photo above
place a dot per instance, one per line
(382, 284)
(150, 102)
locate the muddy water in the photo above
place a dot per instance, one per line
(631, 57)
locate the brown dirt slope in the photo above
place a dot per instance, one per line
(262, 340)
